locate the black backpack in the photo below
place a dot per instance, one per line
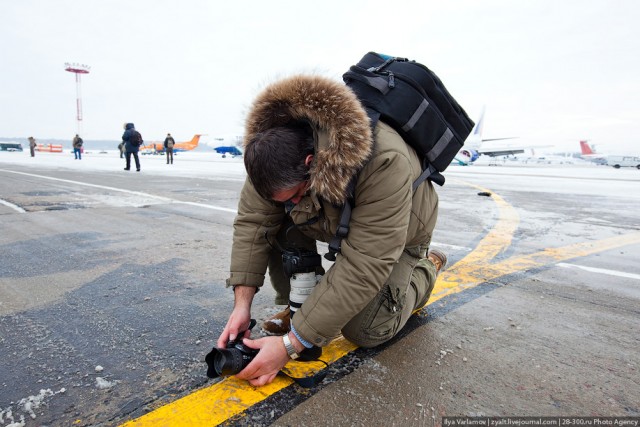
(411, 98)
(136, 138)
(79, 142)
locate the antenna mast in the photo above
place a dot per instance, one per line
(78, 69)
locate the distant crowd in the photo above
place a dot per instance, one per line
(130, 146)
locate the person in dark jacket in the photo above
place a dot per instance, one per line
(77, 147)
(32, 146)
(169, 142)
(130, 146)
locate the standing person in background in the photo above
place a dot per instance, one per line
(77, 147)
(32, 146)
(121, 149)
(169, 142)
(132, 142)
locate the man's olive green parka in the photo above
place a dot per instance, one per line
(387, 216)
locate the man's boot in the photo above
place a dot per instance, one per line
(278, 324)
(438, 258)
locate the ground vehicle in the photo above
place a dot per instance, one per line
(10, 146)
(622, 161)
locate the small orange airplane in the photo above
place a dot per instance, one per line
(49, 148)
(158, 147)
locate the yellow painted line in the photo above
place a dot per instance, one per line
(555, 255)
(487, 272)
(476, 267)
(469, 270)
(498, 239)
(229, 398)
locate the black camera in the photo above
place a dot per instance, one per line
(227, 361)
(300, 261)
(222, 362)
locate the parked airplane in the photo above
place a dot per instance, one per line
(229, 149)
(590, 154)
(472, 149)
(615, 160)
(49, 148)
(158, 147)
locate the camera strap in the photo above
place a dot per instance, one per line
(309, 355)
(312, 381)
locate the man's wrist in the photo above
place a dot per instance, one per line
(297, 345)
(243, 296)
(289, 347)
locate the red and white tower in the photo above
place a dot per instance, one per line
(78, 69)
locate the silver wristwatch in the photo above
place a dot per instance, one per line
(290, 350)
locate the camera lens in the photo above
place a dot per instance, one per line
(225, 362)
(232, 359)
(229, 362)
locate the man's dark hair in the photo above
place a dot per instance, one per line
(275, 158)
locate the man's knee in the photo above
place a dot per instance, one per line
(376, 324)
(408, 288)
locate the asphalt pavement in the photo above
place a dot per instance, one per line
(112, 291)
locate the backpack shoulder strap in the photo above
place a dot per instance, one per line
(335, 244)
(429, 172)
(374, 117)
(345, 216)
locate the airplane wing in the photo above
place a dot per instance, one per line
(499, 152)
(498, 139)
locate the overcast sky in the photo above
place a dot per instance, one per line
(549, 71)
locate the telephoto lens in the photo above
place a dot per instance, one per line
(302, 284)
(301, 267)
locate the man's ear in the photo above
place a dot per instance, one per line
(308, 160)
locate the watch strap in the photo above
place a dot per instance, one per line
(289, 347)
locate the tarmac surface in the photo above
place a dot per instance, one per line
(112, 292)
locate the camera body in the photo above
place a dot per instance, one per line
(227, 361)
(300, 261)
(301, 267)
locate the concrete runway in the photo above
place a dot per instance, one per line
(112, 291)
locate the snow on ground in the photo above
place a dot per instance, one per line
(211, 164)
(587, 179)
(189, 164)
(28, 405)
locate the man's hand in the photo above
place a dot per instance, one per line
(240, 316)
(268, 362)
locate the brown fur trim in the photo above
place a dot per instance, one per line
(327, 105)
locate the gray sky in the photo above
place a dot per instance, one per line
(548, 71)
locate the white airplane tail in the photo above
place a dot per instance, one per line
(474, 140)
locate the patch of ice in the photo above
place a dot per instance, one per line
(9, 414)
(27, 405)
(103, 384)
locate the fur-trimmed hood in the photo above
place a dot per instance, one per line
(328, 106)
